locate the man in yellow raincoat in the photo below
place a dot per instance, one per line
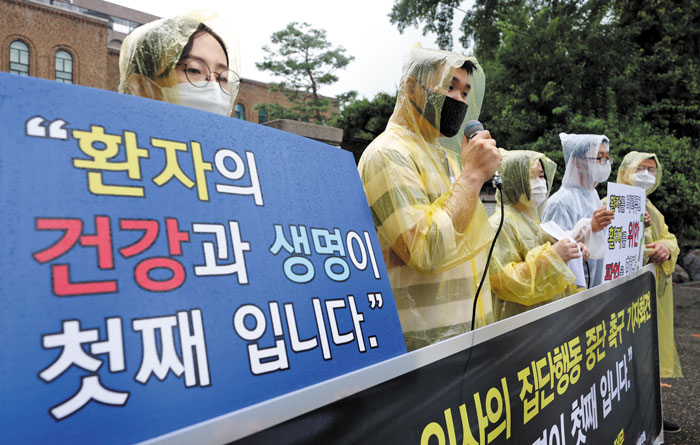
(644, 170)
(432, 227)
(526, 270)
(190, 60)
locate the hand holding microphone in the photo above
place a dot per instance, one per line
(480, 156)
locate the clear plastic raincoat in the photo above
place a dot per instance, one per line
(148, 55)
(417, 201)
(525, 271)
(669, 363)
(572, 206)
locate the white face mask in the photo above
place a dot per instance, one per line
(644, 179)
(600, 173)
(538, 190)
(207, 98)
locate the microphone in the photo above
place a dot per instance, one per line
(471, 130)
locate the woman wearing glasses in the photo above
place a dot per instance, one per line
(189, 60)
(576, 205)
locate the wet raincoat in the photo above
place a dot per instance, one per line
(572, 206)
(148, 55)
(416, 197)
(669, 363)
(525, 271)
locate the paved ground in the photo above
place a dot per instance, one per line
(681, 402)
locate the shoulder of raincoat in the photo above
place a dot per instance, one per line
(411, 182)
(148, 55)
(669, 361)
(525, 271)
(408, 176)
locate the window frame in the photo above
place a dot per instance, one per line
(63, 60)
(19, 51)
(235, 111)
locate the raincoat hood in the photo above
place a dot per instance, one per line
(149, 54)
(625, 174)
(516, 170)
(425, 81)
(580, 151)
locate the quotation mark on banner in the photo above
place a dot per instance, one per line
(375, 300)
(37, 126)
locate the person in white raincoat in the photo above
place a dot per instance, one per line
(576, 206)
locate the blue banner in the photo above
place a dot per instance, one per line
(164, 266)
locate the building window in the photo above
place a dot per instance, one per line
(239, 111)
(262, 116)
(123, 26)
(64, 67)
(19, 58)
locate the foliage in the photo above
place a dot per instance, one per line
(303, 108)
(436, 14)
(679, 193)
(305, 61)
(363, 120)
(627, 68)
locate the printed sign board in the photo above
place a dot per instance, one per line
(581, 370)
(624, 251)
(163, 266)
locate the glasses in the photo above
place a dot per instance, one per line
(651, 170)
(199, 74)
(602, 160)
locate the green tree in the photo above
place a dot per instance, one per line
(363, 120)
(305, 61)
(626, 68)
(666, 38)
(436, 14)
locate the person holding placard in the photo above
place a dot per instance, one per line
(527, 270)
(576, 206)
(190, 60)
(432, 227)
(661, 248)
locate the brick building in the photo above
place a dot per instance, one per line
(252, 93)
(58, 41)
(78, 42)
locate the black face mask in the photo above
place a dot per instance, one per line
(451, 116)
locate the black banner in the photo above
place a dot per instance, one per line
(579, 370)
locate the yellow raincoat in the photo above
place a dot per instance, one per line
(148, 55)
(669, 363)
(525, 271)
(411, 183)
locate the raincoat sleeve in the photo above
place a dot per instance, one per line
(524, 276)
(665, 237)
(559, 212)
(430, 236)
(669, 361)
(595, 241)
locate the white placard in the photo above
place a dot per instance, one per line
(575, 264)
(625, 240)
